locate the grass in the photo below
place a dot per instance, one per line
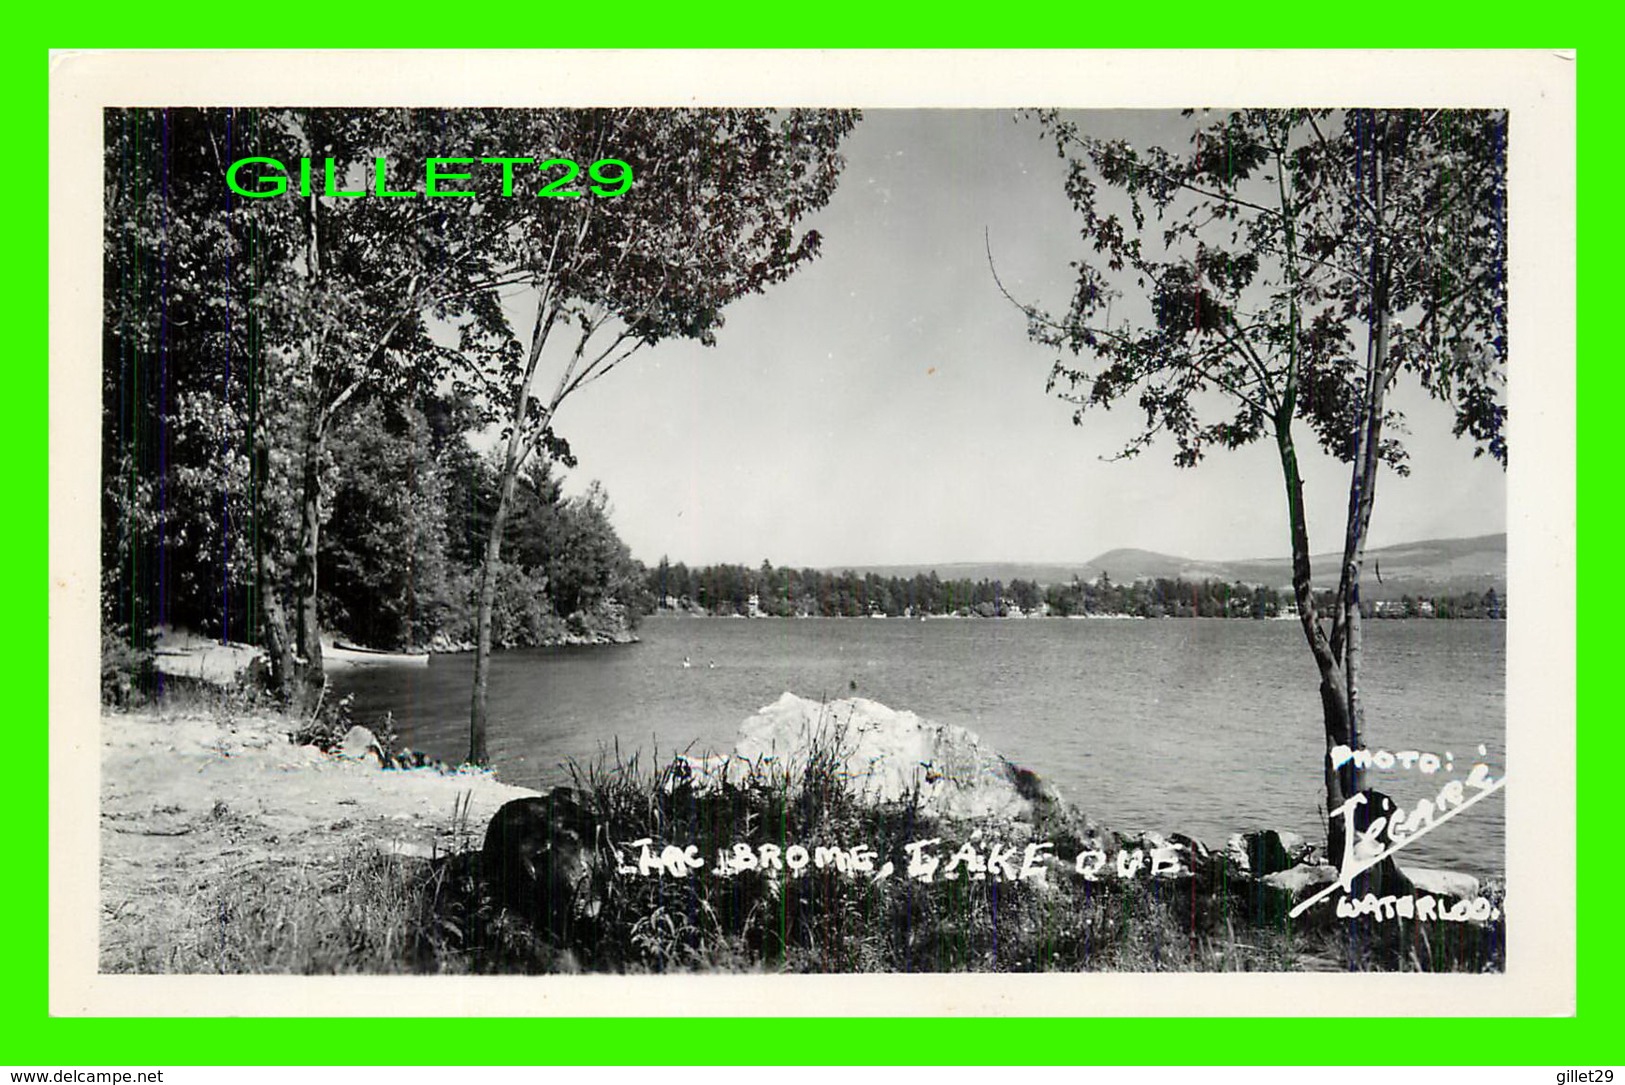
(374, 913)
(365, 912)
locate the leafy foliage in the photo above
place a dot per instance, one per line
(290, 382)
(394, 578)
(713, 218)
(1289, 268)
(1226, 284)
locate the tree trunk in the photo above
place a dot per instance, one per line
(273, 619)
(304, 573)
(479, 710)
(308, 624)
(1348, 637)
(1336, 720)
(277, 643)
(478, 713)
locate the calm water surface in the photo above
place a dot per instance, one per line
(1202, 726)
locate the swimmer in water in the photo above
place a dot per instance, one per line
(686, 662)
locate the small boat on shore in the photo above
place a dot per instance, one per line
(341, 652)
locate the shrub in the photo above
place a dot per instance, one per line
(127, 670)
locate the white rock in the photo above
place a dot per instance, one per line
(358, 742)
(881, 755)
(1443, 883)
(1301, 881)
(1235, 850)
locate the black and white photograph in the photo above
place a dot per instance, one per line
(835, 533)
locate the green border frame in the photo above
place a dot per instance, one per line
(33, 1037)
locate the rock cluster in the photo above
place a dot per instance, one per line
(541, 853)
(360, 744)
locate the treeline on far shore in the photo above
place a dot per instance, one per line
(408, 507)
(769, 592)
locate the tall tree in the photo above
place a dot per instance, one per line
(264, 304)
(196, 507)
(384, 568)
(1289, 268)
(711, 216)
(369, 273)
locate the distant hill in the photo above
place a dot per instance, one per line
(1431, 567)
(972, 571)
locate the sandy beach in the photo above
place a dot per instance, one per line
(193, 799)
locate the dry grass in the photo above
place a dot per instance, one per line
(367, 912)
(363, 912)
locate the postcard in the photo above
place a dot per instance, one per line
(640, 533)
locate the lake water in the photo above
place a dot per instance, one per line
(1203, 726)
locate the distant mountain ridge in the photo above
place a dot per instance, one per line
(1428, 567)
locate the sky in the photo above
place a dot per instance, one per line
(884, 405)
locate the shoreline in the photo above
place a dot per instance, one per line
(182, 654)
(187, 655)
(196, 799)
(667, 614)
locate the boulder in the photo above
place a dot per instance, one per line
(1200, 855)
(359, 743)
(1268, 901)
(1260, 853)
(1298, 849)
(1301, 881)
(538, 861)
(1451, 884)
(1234, 855)
(880, 756)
